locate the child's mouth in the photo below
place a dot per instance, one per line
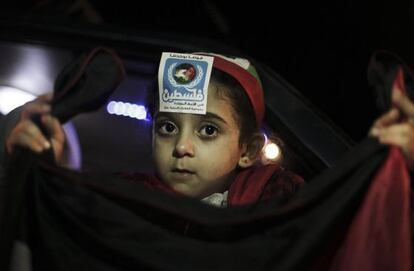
(182, 171)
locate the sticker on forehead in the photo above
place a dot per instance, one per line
(183, 82)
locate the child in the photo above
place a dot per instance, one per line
(199, 155)
(196, 155)
(207, 156)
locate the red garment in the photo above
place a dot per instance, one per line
(381, 229)
(263, 183)
(258, 183)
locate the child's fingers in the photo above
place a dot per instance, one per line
(403, 103)
(385, 120)
(54, 127)
(28, 135)
(38, 106)
(397, 134)
(28, 141)
(32, 132)
(57, 135)
(400, 135)
(45, 97)
(33, 108)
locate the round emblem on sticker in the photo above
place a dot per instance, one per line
(184, 73)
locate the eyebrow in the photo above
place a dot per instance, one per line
(208, 115)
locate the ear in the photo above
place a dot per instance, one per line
(251, 150)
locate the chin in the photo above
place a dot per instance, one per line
(184, 189)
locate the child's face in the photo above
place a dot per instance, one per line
(197, 154)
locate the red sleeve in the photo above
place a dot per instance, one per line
(261, 183)
(282, 184)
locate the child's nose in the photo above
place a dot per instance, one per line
(184, 146)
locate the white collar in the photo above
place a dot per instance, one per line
(217, 199)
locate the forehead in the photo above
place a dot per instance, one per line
(218, 102)
(218, 107)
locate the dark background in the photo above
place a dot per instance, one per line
(322, 49)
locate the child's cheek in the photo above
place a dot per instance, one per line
(161, 149)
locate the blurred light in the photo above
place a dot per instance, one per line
(271, 151)
(10, 98)
(135, 111)
(33, 71)
(74, 154)
(111, 107)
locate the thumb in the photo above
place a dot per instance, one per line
(403, 103)
(56, 133)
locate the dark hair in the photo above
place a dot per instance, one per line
(227, 88)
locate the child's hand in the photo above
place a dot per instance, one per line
(389, 130)
(27, 134)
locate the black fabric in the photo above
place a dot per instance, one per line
(86, 83)
(80, 221)
(6, 125)
(83, 85)
(98, 222)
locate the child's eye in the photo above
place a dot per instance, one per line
(208, 131)
(167, 128)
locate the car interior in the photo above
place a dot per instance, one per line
(114, 139)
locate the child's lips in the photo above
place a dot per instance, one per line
(182, 174)
(182, 171)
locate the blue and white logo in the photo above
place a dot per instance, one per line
(183, 82)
